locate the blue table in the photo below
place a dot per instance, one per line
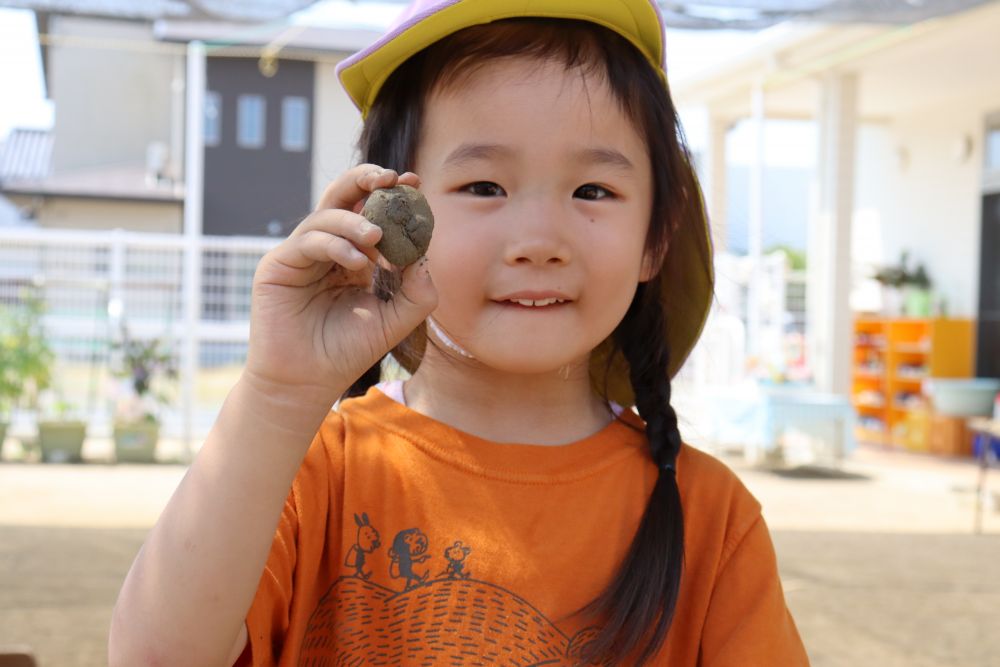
(757, 416)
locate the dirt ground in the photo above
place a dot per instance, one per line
(879, 562)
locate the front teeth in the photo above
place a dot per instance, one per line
(538, 302)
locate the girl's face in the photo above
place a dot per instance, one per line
(541, 189)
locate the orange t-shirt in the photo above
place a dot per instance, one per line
(404, 541)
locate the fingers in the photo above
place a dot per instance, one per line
(348, 189)
(415, 299)
(331, 236)
(335, 232)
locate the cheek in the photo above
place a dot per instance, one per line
(459, 259)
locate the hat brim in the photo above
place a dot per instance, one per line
(364, 73)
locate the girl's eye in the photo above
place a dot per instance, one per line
(591, 192)
(484, 189)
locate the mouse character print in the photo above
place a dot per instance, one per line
(456, 555)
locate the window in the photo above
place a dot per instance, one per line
(251, 121)
(213, 118)
(295, 123)
(993, 149)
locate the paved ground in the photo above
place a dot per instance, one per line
(878, 561)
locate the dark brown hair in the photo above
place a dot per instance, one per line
(637, 607)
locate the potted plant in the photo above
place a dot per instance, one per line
(892, 278)
(917, 293)
(25, 359)
(904, 291)
(137, 422)
(61, 432)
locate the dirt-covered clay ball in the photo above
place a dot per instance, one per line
(406, 221)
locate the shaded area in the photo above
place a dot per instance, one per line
(820, 472)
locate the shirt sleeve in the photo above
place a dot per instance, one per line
(269, 615)
(297, 545)
(748, 623)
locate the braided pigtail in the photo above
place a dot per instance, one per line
(640, 600)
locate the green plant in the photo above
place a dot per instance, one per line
(899, 275)
(796, 258)
(919, 278)
(56, 407)
(893, 276)
(142, 361)
(26, 359)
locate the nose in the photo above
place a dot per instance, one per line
(539, 235)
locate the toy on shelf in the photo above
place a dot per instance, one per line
(892, 359)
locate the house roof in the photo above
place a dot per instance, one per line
(899, 68)
(122, 9)
(148, 10)
(121, 182)
(25, 154)
(758, 14)
(294, 39)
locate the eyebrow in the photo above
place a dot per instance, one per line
(470, 152)
(604, 156)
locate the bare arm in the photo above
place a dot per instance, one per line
(315, 327)
(186, 597)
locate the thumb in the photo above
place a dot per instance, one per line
(415, 299)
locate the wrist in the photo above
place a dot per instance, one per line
(298, 409)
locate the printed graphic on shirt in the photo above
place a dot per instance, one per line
(367, 542)
(409, 548)
(443, 618)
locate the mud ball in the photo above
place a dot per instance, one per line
(406, 221)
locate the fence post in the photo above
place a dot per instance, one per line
(193, 193)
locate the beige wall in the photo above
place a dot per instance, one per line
(73, 213)
(110, 102)
(336, 125)
(935, 195)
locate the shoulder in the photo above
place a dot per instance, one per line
(717, 505)
(351, 421)
(322, 467)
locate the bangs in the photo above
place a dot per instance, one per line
(577, 46)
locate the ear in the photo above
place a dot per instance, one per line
(364, 517)
(651, 264)
(357, 520)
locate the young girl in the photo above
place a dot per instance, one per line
(504, 505)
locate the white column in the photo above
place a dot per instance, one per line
(828, 322)
(177, 109)
(755, 225)
(194, 157)
(715, 185)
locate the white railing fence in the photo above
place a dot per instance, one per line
(93, 282)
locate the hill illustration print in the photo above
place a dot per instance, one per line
(445, 621)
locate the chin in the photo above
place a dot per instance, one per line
(541, 359)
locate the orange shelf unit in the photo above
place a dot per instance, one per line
(891, 359)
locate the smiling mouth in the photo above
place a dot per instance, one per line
(534, 303)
